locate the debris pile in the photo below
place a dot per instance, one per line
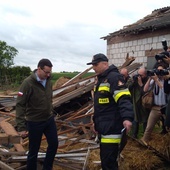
(78, 146)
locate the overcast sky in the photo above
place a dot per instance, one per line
(67, 32)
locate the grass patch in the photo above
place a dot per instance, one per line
(55, 77)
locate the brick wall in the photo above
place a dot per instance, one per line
(140, 46)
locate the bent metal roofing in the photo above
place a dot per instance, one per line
(159, 18)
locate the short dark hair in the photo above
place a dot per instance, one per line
(161, 64)
(44, 62)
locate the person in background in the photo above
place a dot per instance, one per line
(160, 91)
(167, 118)
(34, 114)
(135, 86)
(165, 60)
(167, 87)
(113, 110)
(125, 74)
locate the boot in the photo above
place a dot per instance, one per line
(164, 131)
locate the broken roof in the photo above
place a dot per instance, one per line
(158, 19)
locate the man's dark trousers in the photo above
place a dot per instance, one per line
(109, 155)
(36, 130)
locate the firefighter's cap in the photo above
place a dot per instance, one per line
(98, 58)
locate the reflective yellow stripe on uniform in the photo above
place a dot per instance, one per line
(104, 87)
(110, 139)
(105, 140)
(119, 93)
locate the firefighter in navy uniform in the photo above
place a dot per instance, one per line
(113, 110)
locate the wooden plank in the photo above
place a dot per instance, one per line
(9, 153)
(60, 100)
(9, 130)
(80, 82)
(134, 66)
(7, 114)
(58, 155)
(5, 166)
(8, 102)
(128, 61)
(86, 160)
(77, 76)
(67, 90)
(67, 165)
(81, 116)
(76, 85)
(96, 146)
(64, 116)
(68, 130)
(6, 139)
(79, 112)
(6, 96)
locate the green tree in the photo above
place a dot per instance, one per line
(7, 54)
(18, 73)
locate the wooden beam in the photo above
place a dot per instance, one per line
(9, 130)
(79, 76)
(7, 114)
(81, 111)
(78, 92)
(6, 139)
(5, 166)
(128, 61)
(86, 160)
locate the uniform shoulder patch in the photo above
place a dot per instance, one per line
(20, 93)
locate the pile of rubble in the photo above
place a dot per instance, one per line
(78, 146)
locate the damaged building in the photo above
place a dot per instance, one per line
(142, 39)
(134, 45)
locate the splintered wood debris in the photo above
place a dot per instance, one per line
(78, 145)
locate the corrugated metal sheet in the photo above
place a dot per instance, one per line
(158, 19)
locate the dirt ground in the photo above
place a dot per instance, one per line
(134, 156)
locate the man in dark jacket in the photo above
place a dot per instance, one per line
(167, 91)
(113, 110)
(34, 114)
(141, 114)
(167, 109)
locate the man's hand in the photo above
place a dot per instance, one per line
(166, 77)
(127, 124)
(23, 134)
(155, 78)
(140, 81)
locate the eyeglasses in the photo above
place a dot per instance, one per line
(46, 72)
